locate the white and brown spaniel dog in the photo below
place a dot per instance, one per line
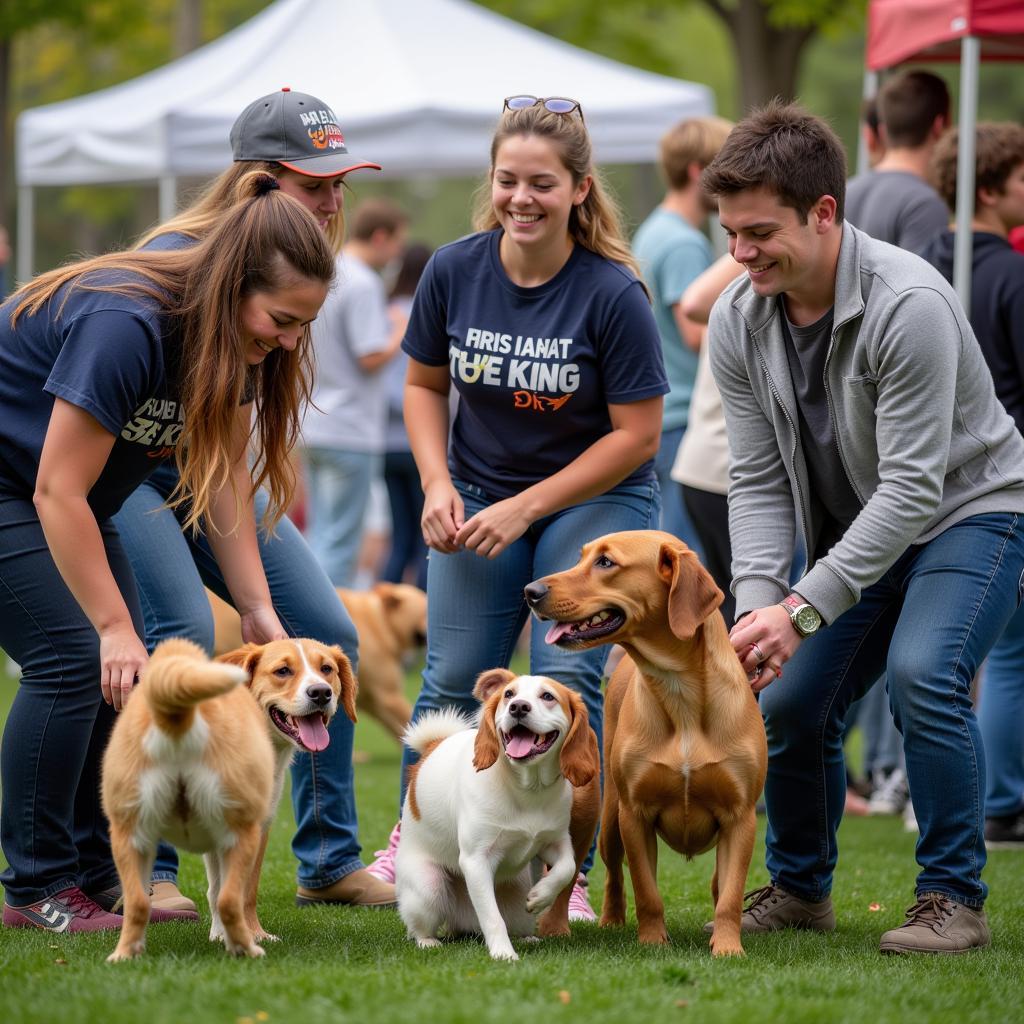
(483, 802)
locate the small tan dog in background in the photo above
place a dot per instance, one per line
(484, 801)
(390, 620)
(198, 758)
(685, 753)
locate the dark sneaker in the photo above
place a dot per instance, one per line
(69, 910)
(771, 908)
(1005, 833)
(936, 924)
(112, 901)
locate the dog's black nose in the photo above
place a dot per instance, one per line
(319, 694)
(535, 592)
(519, 708)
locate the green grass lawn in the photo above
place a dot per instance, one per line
(336, 964)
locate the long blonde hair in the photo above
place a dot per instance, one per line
(596, 223)
(198, 220)
(262, 243)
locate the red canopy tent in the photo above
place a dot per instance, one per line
(931, 30)
(967, 31)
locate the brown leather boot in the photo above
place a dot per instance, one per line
(937, 924)
(771, 908)
(358, 889)
(167, 896)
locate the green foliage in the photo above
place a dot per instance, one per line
(830, 16)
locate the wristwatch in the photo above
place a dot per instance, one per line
(805, 617)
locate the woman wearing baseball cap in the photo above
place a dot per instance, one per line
(296, 138)
(293, 136)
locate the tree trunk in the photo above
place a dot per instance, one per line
(189, 29)
(767, 57)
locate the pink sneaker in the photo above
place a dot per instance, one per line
(579, 904)
(69, 910)
(383, 866)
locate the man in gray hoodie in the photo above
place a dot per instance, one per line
(862, 416)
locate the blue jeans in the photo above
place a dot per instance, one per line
(1001, 717)
(476, 609)
(171, 568)
(883, 745)
(929, 623)
(405, 496)
(675, 518)
(338, 494)
(52, 828)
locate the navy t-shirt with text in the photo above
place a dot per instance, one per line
(115, 356)
(535, 368)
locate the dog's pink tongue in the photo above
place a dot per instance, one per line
(312, 732)
(557, 630)
(519, 744)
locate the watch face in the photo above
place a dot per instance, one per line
(806, 620)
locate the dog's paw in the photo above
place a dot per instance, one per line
(129, 952)
(503, 952)
(428, 943)
(540, 898)
(726, 946)
(653, 935)
(253, 951)
(551, 926)
(260, 935)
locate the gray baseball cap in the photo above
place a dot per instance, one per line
(297, 131)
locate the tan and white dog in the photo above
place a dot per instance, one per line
(199, 759)
(483, 802)
(391, 622)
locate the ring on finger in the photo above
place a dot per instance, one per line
(758, 653)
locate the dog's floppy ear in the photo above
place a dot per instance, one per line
(489, 681)
(348, 681)
(247, 656)
(387, 594)
(579, 759)
(693, 594)
(486, 747)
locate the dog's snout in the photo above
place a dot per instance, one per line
(519, 708)
(319, 694)
(535, 592)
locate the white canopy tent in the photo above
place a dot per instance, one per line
(417, 86)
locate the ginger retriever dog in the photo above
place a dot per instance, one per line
(391, 621)
(684, 744)
(484, 800)
(199, 758)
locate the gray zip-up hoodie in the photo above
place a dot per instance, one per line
(923, 439)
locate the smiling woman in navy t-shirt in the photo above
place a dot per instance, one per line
(108, 367)
(541, 324)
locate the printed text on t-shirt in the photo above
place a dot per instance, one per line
(156, 423)
(522, 363)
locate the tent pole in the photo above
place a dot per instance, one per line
(26, 233)
(870, 89)
(167, 201)
(970, 57)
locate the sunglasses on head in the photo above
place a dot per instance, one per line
(556, 104)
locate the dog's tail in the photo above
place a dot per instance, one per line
(434, 727)
(180, 675)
